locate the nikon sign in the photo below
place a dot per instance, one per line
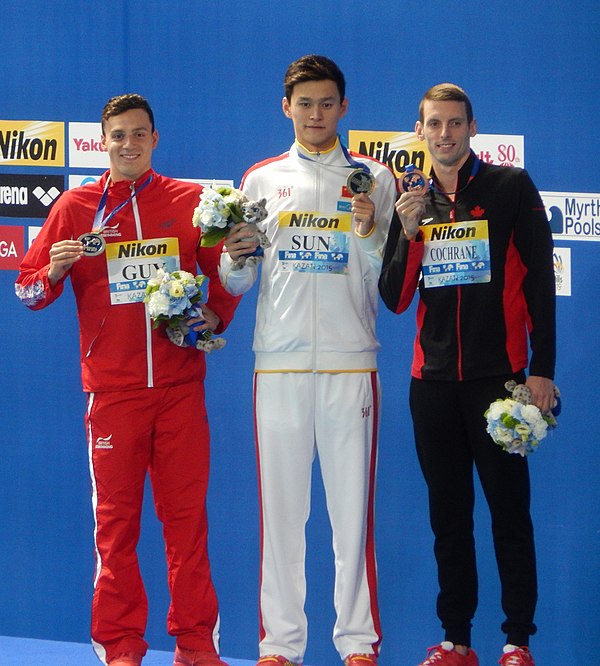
(32, 143)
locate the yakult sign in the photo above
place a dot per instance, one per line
(85, 147)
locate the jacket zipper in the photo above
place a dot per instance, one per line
(138, 228)
(314, 290)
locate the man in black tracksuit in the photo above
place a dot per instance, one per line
(486, 289)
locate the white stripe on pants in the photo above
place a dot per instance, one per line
(335, 416)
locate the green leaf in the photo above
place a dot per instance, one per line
(212, 237)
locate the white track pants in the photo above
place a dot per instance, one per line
(336, 416)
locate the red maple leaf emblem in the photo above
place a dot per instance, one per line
(478, 211)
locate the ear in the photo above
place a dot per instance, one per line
(154, 139)
(419, 130)
(473, 128)
(343, 107)
(285, 105)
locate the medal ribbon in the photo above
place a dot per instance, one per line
(474, 171)
(352, 163)
(99, 220)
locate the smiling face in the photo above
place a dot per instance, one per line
(129, 140)
(447, 132)
(315, 109)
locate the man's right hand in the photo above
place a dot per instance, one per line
(410, 208)
(237, 242)
(62, 256)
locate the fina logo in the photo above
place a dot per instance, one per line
(46, 198)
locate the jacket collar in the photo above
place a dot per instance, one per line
(332, 155)
(466, 173)
(126, 184)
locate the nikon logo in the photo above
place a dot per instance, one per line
(396, 160)
(310, 220)
(138, 250)
(15, 146)
(452, 232)
(32, 143)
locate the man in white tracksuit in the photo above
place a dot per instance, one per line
(316, 386)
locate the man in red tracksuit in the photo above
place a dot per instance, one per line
(145, 410)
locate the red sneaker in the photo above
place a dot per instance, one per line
(275, 660)
(445, 655)
(518, 657)
(126, 659)
(360, 660)
(185, 657)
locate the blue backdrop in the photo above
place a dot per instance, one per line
(213, 72)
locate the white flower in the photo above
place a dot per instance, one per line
(523, 430)
(176, 289)
(157, 280)
(218, 209)
(503, 435)
(158, 305)
(496, 409)
(233, 198)
(187, 278)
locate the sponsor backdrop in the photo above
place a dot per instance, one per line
(213, 76)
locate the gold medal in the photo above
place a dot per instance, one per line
(360, 182)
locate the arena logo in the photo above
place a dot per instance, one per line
(46, 197)
(19, 196)
(32, 143)
(573, 216)
(24, 195)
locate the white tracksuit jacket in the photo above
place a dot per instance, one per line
(318, 295)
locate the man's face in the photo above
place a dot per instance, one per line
(315, 109)
(446, 131)
(129, 140)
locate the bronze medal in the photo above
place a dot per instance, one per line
(414, 180)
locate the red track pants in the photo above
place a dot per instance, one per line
(163, 431)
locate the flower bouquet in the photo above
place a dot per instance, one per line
(174, 298)
(515, 424)
(222, 207)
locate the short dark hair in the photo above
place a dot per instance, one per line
(121, 103)
(313, 68)
(447, 92)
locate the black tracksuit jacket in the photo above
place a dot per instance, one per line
(481, 330)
